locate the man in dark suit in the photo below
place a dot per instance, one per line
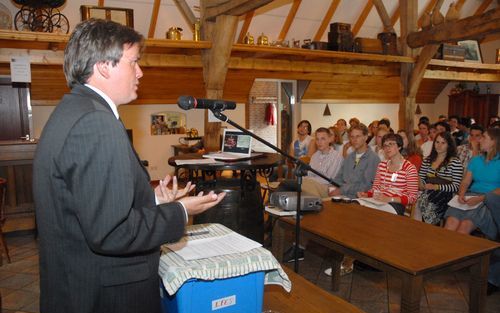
(99, 221)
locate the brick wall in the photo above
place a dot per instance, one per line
(261, 94)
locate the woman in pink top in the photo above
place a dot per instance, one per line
(396, 180)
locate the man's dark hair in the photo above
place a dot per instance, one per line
(454, 117)
(477, 127)
(385, 122)
(422, 119)
(362, 127)
(465, 121)
(95, 41)
(445, 125)
(426, 123)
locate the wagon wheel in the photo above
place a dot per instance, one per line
(23, 19)
(59, 24)
(41, 21)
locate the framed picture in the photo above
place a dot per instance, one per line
(472, 51)
(168, 123)
(119, 15)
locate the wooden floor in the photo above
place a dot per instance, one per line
(373, 292)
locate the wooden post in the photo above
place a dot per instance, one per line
(407, 104)
(215, 63)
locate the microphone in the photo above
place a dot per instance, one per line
(190, 102)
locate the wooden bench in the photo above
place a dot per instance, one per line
(304, 297)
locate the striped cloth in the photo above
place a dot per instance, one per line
(175, 271)
(404, 183)
(452, 171)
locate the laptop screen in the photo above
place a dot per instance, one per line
(235, 141)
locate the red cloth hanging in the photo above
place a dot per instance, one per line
(270, 118)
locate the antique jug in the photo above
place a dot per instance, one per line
(248, 40)
(262, 40)
(174, 33)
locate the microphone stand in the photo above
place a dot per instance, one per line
(301, 170)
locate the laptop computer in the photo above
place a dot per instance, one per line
(236, 145)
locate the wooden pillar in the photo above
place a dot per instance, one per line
(215, 62)
(408, 9)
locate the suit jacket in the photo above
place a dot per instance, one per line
(99, 227)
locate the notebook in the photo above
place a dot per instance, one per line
(235, 146)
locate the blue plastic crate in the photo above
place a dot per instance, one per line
(241, 294)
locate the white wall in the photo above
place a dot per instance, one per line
(365, 112)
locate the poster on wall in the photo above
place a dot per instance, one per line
(168, 123)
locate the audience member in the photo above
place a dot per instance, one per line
(440, 177)
(358, 169)
(442, 118)
(377, 148)
(457, 134)
(384, 124)
(442, 127)
(342, 127)
(426, 147)
(372, 133)
(481, 179)
(396, 180)
(423, 131)
(464, 125)
(325, 160)
(353, 122)
(337, 142)
(410, 150)
(420, 120)
(471, 149)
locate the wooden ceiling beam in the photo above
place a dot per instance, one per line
(428, 9)
(232, 7)
(289, 19)
(395, 16)
(384, 16)
(326, 19)
(461, 76)
(186, 12)
(473, 27)
(483, 6)
(362, 17)
(100, 3)
(154, 18)
(246, 25)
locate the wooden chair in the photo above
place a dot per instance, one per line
(3, 191)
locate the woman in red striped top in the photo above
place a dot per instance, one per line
(396, 180)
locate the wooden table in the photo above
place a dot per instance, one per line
(394, 244)
(304, 297)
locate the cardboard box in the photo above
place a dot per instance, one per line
(231, 295)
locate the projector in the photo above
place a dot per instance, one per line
(287, 200)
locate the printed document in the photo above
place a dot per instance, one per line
(455, 204)
(194, 249)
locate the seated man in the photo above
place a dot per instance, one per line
(356, 174)
(325, 160)
(358, 169)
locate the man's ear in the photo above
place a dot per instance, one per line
(103, 69)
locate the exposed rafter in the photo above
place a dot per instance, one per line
(246, 26)
(484, 5)
(395, 16)
(428, 8)
(289, 19)
(100, 3)
(154, 18)
(186, 12)
(473, 27)
(326, 19)
(382, 12)
(362, 17)
(214, 8)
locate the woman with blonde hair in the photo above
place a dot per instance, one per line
(479, 186)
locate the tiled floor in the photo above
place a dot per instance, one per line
(373, 292)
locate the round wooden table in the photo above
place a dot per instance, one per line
(242, 209)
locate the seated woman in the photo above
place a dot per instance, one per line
(411, 151)
(440, 177)
(396, 180)
(481, 179)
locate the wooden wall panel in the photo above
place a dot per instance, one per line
(165, 85)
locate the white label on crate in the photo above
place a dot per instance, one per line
(223, 302)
